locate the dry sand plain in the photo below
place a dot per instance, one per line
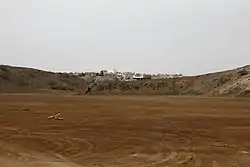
(126, 131)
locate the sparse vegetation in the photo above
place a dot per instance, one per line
(224, 79)
(4, 76)
(243, 72)
(3, 68)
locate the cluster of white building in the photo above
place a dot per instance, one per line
(136, 76)
(127, 76)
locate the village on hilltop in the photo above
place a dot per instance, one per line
(125, 76)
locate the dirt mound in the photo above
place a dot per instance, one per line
(232, 82)
(17, 79)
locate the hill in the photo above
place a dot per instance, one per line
(234, 82)
(18, 79)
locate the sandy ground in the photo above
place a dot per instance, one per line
(127, 131)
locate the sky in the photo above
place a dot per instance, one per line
(157, 36)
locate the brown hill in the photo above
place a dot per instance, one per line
(232, 82)
(18, 79)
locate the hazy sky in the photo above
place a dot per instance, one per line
(172, 36)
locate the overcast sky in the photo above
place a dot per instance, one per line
(167, 36)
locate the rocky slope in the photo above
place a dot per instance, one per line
(232, 82)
